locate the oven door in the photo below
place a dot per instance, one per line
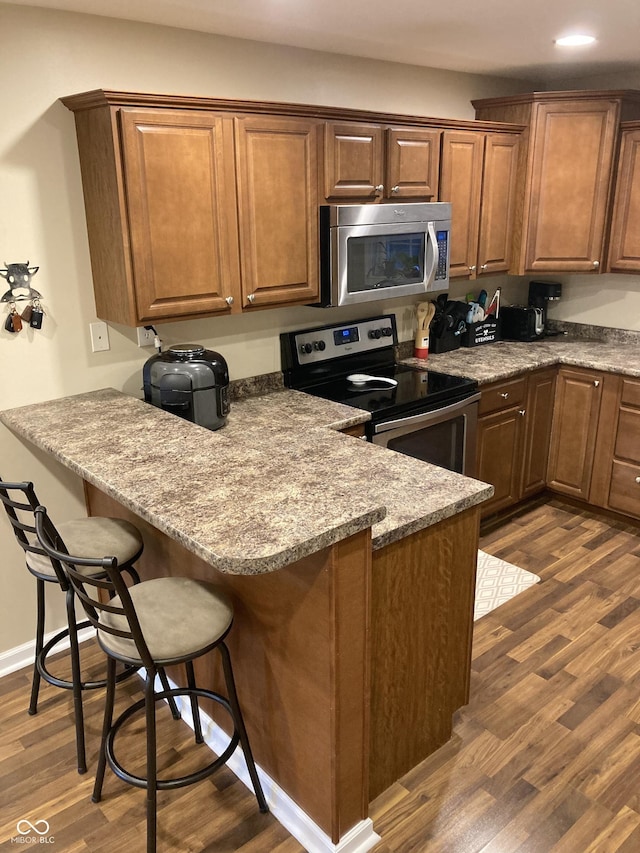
(445, 436)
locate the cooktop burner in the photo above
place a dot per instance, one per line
(319, 361)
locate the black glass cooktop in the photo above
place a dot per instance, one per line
(416, 391)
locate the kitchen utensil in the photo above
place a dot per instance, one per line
(363, 378)
(426, 311)
(494, 305)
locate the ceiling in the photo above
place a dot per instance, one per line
(506, 38)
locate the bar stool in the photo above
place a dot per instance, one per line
(154, 624)
(93, 536)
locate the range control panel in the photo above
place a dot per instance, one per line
(335, 341)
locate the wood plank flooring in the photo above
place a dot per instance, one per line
(546, 756)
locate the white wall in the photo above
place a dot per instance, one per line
(47, 55)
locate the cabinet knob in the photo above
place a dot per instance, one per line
(471, 269)
(251, 297)
(395, 189)
(229, 300)
(522, 412)
(380, 189)
(596, 264)
(483, 266)
(504, 395)
(638, 480)
(596, 383)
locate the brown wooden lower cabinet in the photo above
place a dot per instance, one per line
(513, 437)
(575, 426)
(624, 468)
(349, 665)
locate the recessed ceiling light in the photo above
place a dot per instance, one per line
(574, 41)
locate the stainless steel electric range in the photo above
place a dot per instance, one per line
(429, 415)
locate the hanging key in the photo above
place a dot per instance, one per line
(36, 315)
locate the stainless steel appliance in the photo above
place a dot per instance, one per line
(422, 413)
(377, 251)
(190, 381)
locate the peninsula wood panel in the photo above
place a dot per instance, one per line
(423, 591)
(299, 646)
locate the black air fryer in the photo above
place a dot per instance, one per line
(190, 381)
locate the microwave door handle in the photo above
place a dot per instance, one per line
(431, 238)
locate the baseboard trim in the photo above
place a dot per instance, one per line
(22, 656)
(358, 839)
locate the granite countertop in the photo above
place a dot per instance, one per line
(276, 484)
(504, 359)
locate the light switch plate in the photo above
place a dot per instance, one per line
(99, 336)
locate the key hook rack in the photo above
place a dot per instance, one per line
(19, 277)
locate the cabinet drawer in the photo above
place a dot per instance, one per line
(628, 438)
(630, 393)
(624, 493)
(502, 396)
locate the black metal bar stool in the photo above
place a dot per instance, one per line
(154, 624)
(94, 536)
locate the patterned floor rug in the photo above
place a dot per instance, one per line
(497, 582)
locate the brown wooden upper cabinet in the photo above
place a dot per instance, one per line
(624, 246)
(371, 162)
(565, 174)
(195, 211)
(478, 173)
(278, 209)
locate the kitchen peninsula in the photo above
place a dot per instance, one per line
(352, 569)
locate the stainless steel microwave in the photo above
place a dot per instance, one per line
(377, 251)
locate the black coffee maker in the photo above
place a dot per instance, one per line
(190, 381)
(540, 294)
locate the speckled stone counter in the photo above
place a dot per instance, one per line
(277, 483)
(504, 359)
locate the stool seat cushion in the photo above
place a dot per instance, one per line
(179, 618)
(92, 537)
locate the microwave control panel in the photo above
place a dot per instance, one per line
(442, 239)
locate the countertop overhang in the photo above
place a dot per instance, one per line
(274, 485)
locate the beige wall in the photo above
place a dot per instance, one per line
(50, 54)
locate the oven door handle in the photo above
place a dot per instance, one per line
(424, 417)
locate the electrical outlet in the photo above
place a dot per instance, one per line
(145, 337)
(99, 336)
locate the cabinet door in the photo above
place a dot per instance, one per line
(277, 210)
(500, 173)
(413, 163)
(461, 184)
(180, 197)
(624, 248)
(538, 419)
(624, 490)
(571, 152)
(499, 453)
(573, 434)
(353, 164)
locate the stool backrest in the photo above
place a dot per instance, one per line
(20, 502)
(101, 592)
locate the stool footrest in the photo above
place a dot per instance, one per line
(179, 781)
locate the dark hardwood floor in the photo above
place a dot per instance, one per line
(546, 756)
